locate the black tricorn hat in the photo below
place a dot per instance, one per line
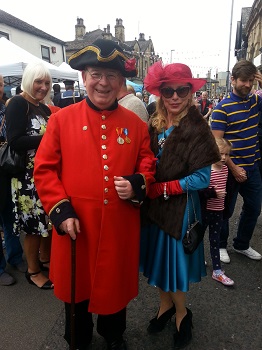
(69, 82)
(104, 54)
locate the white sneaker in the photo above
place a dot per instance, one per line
(224, 257)
(250, 253)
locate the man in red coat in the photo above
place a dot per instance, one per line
(92, 169)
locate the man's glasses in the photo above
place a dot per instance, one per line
(182, 91)
(98, 76)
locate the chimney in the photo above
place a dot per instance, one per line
(106, 33)
(141, 37)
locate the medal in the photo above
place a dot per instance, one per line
(127, 139)
(120, 139)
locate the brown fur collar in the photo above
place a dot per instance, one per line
(190, 146)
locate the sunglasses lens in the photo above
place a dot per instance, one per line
(183, 91)
(167, 92)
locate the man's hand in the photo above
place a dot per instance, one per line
(239, 174)
(123, 188)
(70, 226)
(258, 77)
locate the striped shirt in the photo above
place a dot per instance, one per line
(218, 180)
(238, 118)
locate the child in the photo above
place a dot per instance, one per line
(213, 204)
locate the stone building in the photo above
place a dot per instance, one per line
(142, 49)
(249, 34)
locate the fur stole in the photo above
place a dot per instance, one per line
(189, 147)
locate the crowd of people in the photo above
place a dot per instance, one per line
(145, 170)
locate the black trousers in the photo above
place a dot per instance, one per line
(111, 327)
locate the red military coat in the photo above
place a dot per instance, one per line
(77, 159)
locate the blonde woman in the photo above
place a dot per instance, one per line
(185, 149)
(26, 120)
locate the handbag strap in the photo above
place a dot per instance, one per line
(193, 205)
(2, 124)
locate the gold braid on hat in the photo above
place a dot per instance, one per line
(98, 51)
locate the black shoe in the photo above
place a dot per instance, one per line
(183, 337)
(118, 344)
(47, 285)
(158, 324)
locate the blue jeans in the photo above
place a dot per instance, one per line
(14, 250)
(251, 192)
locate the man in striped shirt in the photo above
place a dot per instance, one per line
(235, 118)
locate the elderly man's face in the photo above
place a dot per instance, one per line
(204, 96)
(102, 85)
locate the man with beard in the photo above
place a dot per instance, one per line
(235, 118)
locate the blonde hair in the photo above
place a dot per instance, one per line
(33, 71)
(159, 120)
(223, 143)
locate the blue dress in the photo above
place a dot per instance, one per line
(162, 257)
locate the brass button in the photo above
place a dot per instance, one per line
(103, 146)
(106, 190)
(103, 126)
(106, 178)
(103, 117)
(106, 201)
(105, 156)
(106, 167)
(103, 137)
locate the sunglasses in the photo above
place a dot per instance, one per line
(182, 91)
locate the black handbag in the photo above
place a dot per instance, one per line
(11, 162)
(194, 234)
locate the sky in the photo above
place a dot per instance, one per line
(196, 33)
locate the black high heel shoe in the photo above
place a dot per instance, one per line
(47, 285)
(183, 337)
(158, 324)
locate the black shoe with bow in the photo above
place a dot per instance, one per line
(118, 344)
(183, 337)
(157, 324)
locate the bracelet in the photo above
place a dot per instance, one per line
(166, 197)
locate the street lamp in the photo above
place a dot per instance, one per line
(229, 46)
(171, 56)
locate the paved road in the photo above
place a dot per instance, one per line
(224, 318)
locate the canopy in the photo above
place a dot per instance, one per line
(137, 87)
(14, 59)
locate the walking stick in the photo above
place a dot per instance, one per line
(73, 283)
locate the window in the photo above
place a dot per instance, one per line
(45, 53)
(5, 35)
